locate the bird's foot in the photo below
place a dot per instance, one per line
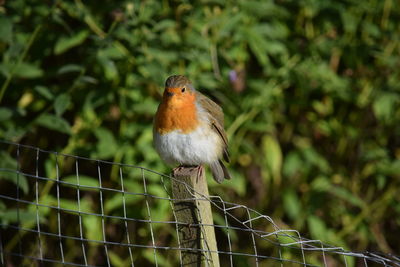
(177, 169)
(200, 171)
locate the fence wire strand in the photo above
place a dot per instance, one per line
(135, 214)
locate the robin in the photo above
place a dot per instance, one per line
(189, 129)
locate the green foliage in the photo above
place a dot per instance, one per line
(314, 118)
(8, 164)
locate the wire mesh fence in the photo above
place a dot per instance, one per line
(64, 210)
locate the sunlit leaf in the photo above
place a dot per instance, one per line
(66, 43)
(28, 71)
(82, 181)
(384, 106)
(107, 144)
(93, 229)
(317, 227)
(273, 156)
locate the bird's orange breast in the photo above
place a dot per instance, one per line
(176, 114)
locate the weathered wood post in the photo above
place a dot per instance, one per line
(191, 210)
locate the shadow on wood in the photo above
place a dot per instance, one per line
(196, 234)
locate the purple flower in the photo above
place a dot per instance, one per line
(233, 75)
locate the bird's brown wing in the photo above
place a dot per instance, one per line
(216, 117)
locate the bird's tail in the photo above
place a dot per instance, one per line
(219, 171)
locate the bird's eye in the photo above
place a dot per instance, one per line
(183, 89)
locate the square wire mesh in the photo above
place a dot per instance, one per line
(64, 210)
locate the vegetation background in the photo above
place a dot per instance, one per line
(310, 91)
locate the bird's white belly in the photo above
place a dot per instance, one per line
(203, 145)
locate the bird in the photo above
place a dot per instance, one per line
(188, 129)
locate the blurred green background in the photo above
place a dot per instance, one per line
(310, 91)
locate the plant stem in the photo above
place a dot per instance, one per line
(20, 59)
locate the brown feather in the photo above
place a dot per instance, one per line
(177, 81)
(219, 171)
(216, 117)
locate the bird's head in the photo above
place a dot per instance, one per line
(178, 91)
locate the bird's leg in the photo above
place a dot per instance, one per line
(200, 171)
(177, 169)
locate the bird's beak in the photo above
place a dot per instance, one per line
(171, 91)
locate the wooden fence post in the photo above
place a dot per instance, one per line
(191, 210)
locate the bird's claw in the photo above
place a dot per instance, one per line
(200, 170)
(177, 169)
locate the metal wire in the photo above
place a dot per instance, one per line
(135, 216)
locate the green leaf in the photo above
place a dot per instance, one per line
(390, 168)
(161, 259)
(317, 228)
(66, 43)
(346, 195)
(17, 216)
(18, 179)
(116, 260)
(110, 69)
(292, 164)
(44, 91)
(313, 157)
(69, 204)
(116, 201)
(291, 202)
(323, 184)
(61, 103)
(48, 200)
(384, 106)
(5, 114)
(70, 68)
(27, 71)
(273, 156)
(2, 206)
(53, 122)
(106, 145)
(238, 185)
(9, 172)
(254, 8)
(257, 44)
(146, 106)
(83, 181)
(6, 27)
(93, 229)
